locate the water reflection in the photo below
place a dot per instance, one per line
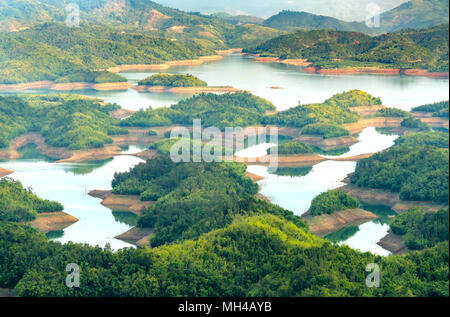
(66, 184)
(402, 92)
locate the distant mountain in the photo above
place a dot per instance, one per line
(348, 10)
(238, 19)
(415, 14)
(137, 15)
(291, 20)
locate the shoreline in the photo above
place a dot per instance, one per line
(351, 70)
(165, 65)
(377, 71)
(387, 198)
(51, 85)
(52, 221)
(66, 86)
(114, 202)
(5, 172)
(184, 90)
(64, 155)
(323, 225)
(393, 243)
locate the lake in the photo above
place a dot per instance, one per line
(242, 72)
(291, 188)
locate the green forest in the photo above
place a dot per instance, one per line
(257, 250)
(192, 198)
(325, 118)
(53, 51)
(292, 147)
(177, 80)
(392, 112)
(421, 229)
(239, 109)
(438, 109)
(416, 168)
(20, 204)
(422, 48)
(64, 121)
(331, 201)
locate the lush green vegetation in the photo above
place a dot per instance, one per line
(20, 204)
(439, 109)
(64, 121)
(414, 123)
(292, 147)
(353, 98)
(262, 250)
(421, 229)
(432, 138)
(56, 52)
(96, 77)
(326, 116)
(414, 167)
(331, 201)
(424, 48)
(139, 16)
(392, 112)
(191, 198)
(177, 80)
(326, 130)
(291, 20)
(254, 256)
(415, 14)
(226, 110)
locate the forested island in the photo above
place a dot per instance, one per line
(177, 80)
(416, 168)
(63, 120)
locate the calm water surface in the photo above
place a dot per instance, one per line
(295, 193)
(69, 184)
(297, 86)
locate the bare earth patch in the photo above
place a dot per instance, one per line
(52, 221)
(378, 122)
(367, 110)
(130, 203)
(387, 198)
(325, 224)
(393, 243)
(136, 236)
(4, 172)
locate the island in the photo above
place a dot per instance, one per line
(178, 83)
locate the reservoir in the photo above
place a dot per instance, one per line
(291, 188)
(297, 86)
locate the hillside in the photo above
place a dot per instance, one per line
(55, 52)
(137, 16)
(415, 14)
(348, 10)
(408, 49)
(291, 20)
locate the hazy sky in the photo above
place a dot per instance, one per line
(344, 9)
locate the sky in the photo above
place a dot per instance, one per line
(350, 10)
